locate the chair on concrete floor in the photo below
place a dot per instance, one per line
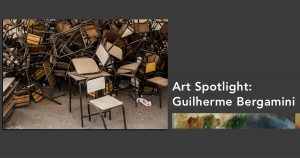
(87, 69)
(128, 70)
(150, 76)
(105, 103)
(159, 83)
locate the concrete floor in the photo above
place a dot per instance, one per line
(48, 115)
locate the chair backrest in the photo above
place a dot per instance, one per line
(152, 57)
(95, 84)
(102, 54)
(36, 27)
(111, 36)
(141, 25)
(91, 31)
(164, 31)
(125, 30)
(152, 62)
(114, 50)
(33, 39)
(63, 27)
(140, 20)
(85, 65)
(165, 28)
(150, 67)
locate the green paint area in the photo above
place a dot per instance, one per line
(237, 121)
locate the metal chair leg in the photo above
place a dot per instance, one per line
(142, 87)
(124, 117)
(89, 111)
(109, 114)
(70, 94)
(114, 85)
(159, 90)
(135, 92)
(103, 121)
(81, 110)
(152, 91)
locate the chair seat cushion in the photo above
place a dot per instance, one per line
(159, 81)
(106, 102)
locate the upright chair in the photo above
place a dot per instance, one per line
(159, 82)
(105, 103)
(87, 69)
(151, 78)
(127, 70)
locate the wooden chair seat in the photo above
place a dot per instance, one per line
(85, 65)
(106, 102)
(78, 77)
(159, 81)
(128, 68)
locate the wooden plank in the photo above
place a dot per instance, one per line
(21, 99)
(21, 104)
